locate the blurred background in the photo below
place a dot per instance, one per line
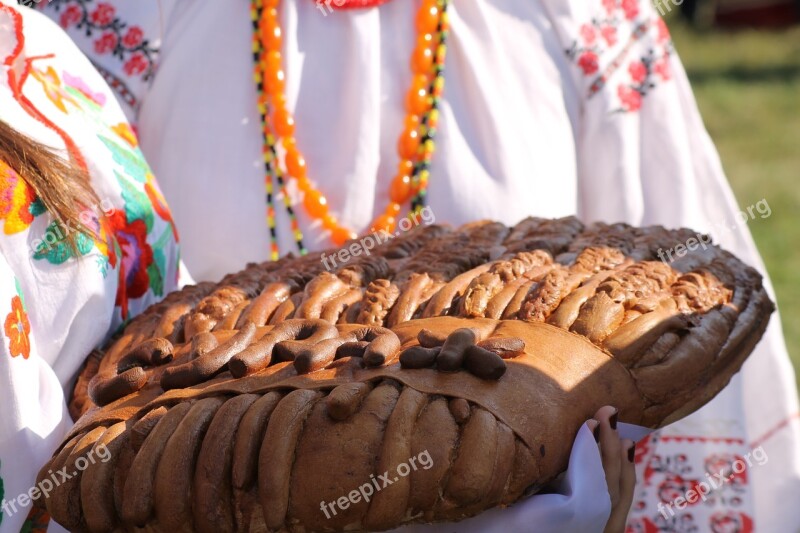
(743, 59)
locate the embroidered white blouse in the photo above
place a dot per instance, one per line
(56, 307)
(551, 107)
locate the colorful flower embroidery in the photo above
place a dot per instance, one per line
(78, 88)
(17, 327)
(115, 37)
(51, 84)
(137, 255)
(57, 250)
(143, 266)
(591, 51)
(18, 202)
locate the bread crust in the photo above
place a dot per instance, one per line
(247, 405)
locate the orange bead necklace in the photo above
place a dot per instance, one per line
(415, 146)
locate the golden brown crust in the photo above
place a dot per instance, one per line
(239, 396)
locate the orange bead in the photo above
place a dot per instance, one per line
(340, 235)
(274, 82)
(393, 209)
(329, 222)
(412, 121)
(270, 30)
(417, 101)
(272, 61)
(279, 100)
(428, 17)
(283, 122)
(271, 3)
(304, 184)
(315, 203)
(425, 40)
(422, 60)
(288, 143)
(400, 189)
(408, 144)
(384, 223)
(295, 163)
(405, 167)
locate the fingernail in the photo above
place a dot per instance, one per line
(612, 420)
(632, 452)
(597, 433)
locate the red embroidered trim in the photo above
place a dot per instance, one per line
(119, 86)
(769, 434)
(686, 438)
(17, 20)
(17, 85)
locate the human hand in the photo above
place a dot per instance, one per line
(617, 456)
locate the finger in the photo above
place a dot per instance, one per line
(594, 426)
(610, 450)
(627, 482)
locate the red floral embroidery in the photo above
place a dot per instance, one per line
(70, 16)
(588, 62)
(631, 98)
(609, 34)
(662, 69)
(631, 8)
(127, 43)
(723, 522)
(637, 71)
(663, 32)
(106, 43)
(18, 329)
(591, 51)
(137, 255)
(589, 34)
(103, 15)
(135, 65)
(134, 37)
(691, 483)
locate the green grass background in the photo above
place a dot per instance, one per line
(747, 85)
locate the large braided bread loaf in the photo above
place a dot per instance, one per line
(253, 404)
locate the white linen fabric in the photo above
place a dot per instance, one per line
(551, 108)
(55, 307)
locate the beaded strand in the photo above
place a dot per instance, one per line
(268, 151)
(431, 120)
(415, 145)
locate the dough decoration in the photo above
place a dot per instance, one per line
(242, 405)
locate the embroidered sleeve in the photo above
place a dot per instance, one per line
(622, 50)
(121, 38)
